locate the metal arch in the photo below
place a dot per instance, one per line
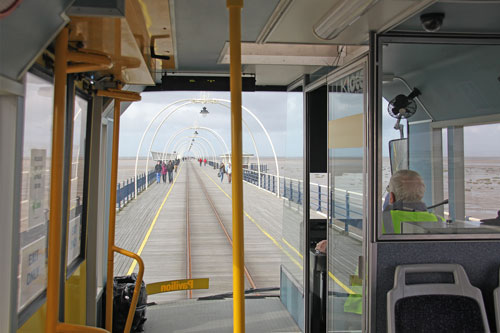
(208, 142)
(153, 140)
(196, 128)
(254, 145)
(197, 152)
(144, 135)
(267, 135)
(199, 101)
(202, 148)
(206, 128)
(227, 149)
(174, 110)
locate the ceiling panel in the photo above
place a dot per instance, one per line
(296, 26)
(201, 29)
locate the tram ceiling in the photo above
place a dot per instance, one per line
(189, 36)
(447, 93)
(272, 32)
(460, 16)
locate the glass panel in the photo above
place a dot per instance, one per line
(35, 191)
(345, 236)
(292, 229)
(438, 107)
(77, 180)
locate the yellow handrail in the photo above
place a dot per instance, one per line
(87, 62)
(111, 236)
(112, 217)
(112, 194)
(56, 181)
(52, 323)
(118, 96)
(235, 7)
(137, 288)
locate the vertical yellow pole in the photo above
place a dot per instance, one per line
(235, 7)
(112, 196)
(55, 215)
(112, 216)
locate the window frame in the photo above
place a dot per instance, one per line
(376, 129)
(72, 267)
(36, 303)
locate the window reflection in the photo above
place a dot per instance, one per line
(345, 229)
(450, 138)
(77, 180)
(35, 189)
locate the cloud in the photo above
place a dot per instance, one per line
(269, 107)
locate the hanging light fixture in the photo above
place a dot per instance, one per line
(204, 112)
(196, 132)
(340, 16)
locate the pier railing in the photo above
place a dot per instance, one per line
(125, 191)
(346, 206)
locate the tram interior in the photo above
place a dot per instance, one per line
(340, 92)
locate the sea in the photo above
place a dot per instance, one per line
(482, 178)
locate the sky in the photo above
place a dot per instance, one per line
(280, 113)
(269, 107)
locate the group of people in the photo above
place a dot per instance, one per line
(162, 169)
(223, 169)
(202, 160)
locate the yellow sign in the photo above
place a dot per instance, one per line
(175, 285)
(346, 132)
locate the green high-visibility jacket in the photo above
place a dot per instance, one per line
(409, 212)
(354, 302)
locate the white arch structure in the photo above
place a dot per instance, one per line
(227, 149)
(196, 150)
(217, 135)
(197, 137)
(165, 149)
(200, 101)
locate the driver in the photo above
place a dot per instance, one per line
(406, 190)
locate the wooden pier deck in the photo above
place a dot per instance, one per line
(154, 226)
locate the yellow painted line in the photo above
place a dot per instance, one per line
(294, 249)
(258, 226)
(145, 240)
(346, 288)
(333, 277)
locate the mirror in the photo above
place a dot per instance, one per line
(398, 155)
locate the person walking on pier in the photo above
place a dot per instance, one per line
(222, 170)
(229, 171)
(170, 169)
(158, 172)
(164, 172)
(176, 164)
(200, 161)
(205, 162)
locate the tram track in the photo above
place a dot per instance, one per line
(189, 243)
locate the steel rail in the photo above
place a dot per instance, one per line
(221, 223)
(188, 235)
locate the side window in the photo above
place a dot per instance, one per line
(77, 181)
(440, 130)
(35, 191)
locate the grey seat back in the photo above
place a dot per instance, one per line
(443, 307)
